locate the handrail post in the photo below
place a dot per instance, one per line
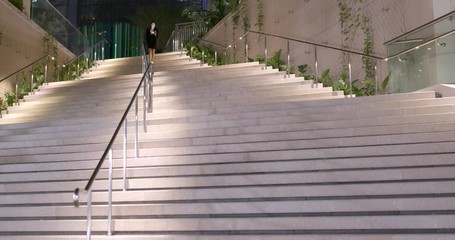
(78, 69)
(376, 79)
(102, 50)
(203, 56)
(45, 70)
(32, 80)
(125, 152)
(68, 72)
(86, 65)
(350, 78)
(144, 108)
(246, 51)
(17, 86)
(136, 150)
(95, 56)
(288, 71)
(150, 93)
(109, 217)
(316, 66)
(89, 214)
(265, 52)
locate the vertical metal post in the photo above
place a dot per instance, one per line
(144, 108)
(136, 141)
(203, 58)
(225, 57)
(191, 53)
(289, 62)
(234, 54)
(109, 217)
(316, 66)
(125, 151)
(68, 75)
(350, 79)
(86, 65)
(246, 51)
(150, 92)
(216, 58)
(45, 71)
(376, 79)
(265, 51)
(58, 73)
(102, 49)
(17, 87)
(89, 214)
(78, 69)
(32, 80)
(95, 56)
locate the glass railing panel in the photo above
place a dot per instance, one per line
(429, 65)
(183, 34)
(423, 34)
(48, 18)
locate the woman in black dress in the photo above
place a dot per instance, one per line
(151, 35)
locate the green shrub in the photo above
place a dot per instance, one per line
(19, 4)
(10, 99)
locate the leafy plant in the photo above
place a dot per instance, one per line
(3, 105)
(384, 85)
(258, 58)
(260, 18)
(19, 4)
(276, 62)
(302, 72)
(245, 18)
(325, 78)
(10, 99)
(342, 83)
(51, 48)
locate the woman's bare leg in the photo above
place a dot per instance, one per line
(151, 55)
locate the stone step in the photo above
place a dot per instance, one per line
(296, 236)
(363, 236)
(158, 166)
(140, 168)
(273, 140)
(295, 105)
(351, 224)
(340, 207)
(379, 190)
(239, 180)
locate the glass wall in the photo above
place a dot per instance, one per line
(424, 57)
(48, 18)
(122, 39)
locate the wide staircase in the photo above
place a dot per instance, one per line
(235, 152)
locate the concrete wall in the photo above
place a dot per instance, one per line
(22, 43)
(318, 21)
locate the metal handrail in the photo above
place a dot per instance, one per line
(319, 45)
(147, 81)
(421, 45)
(29, 65)
(119, 126)
(421, 27)
(315, 44)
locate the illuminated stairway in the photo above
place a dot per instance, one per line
(232, 152)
